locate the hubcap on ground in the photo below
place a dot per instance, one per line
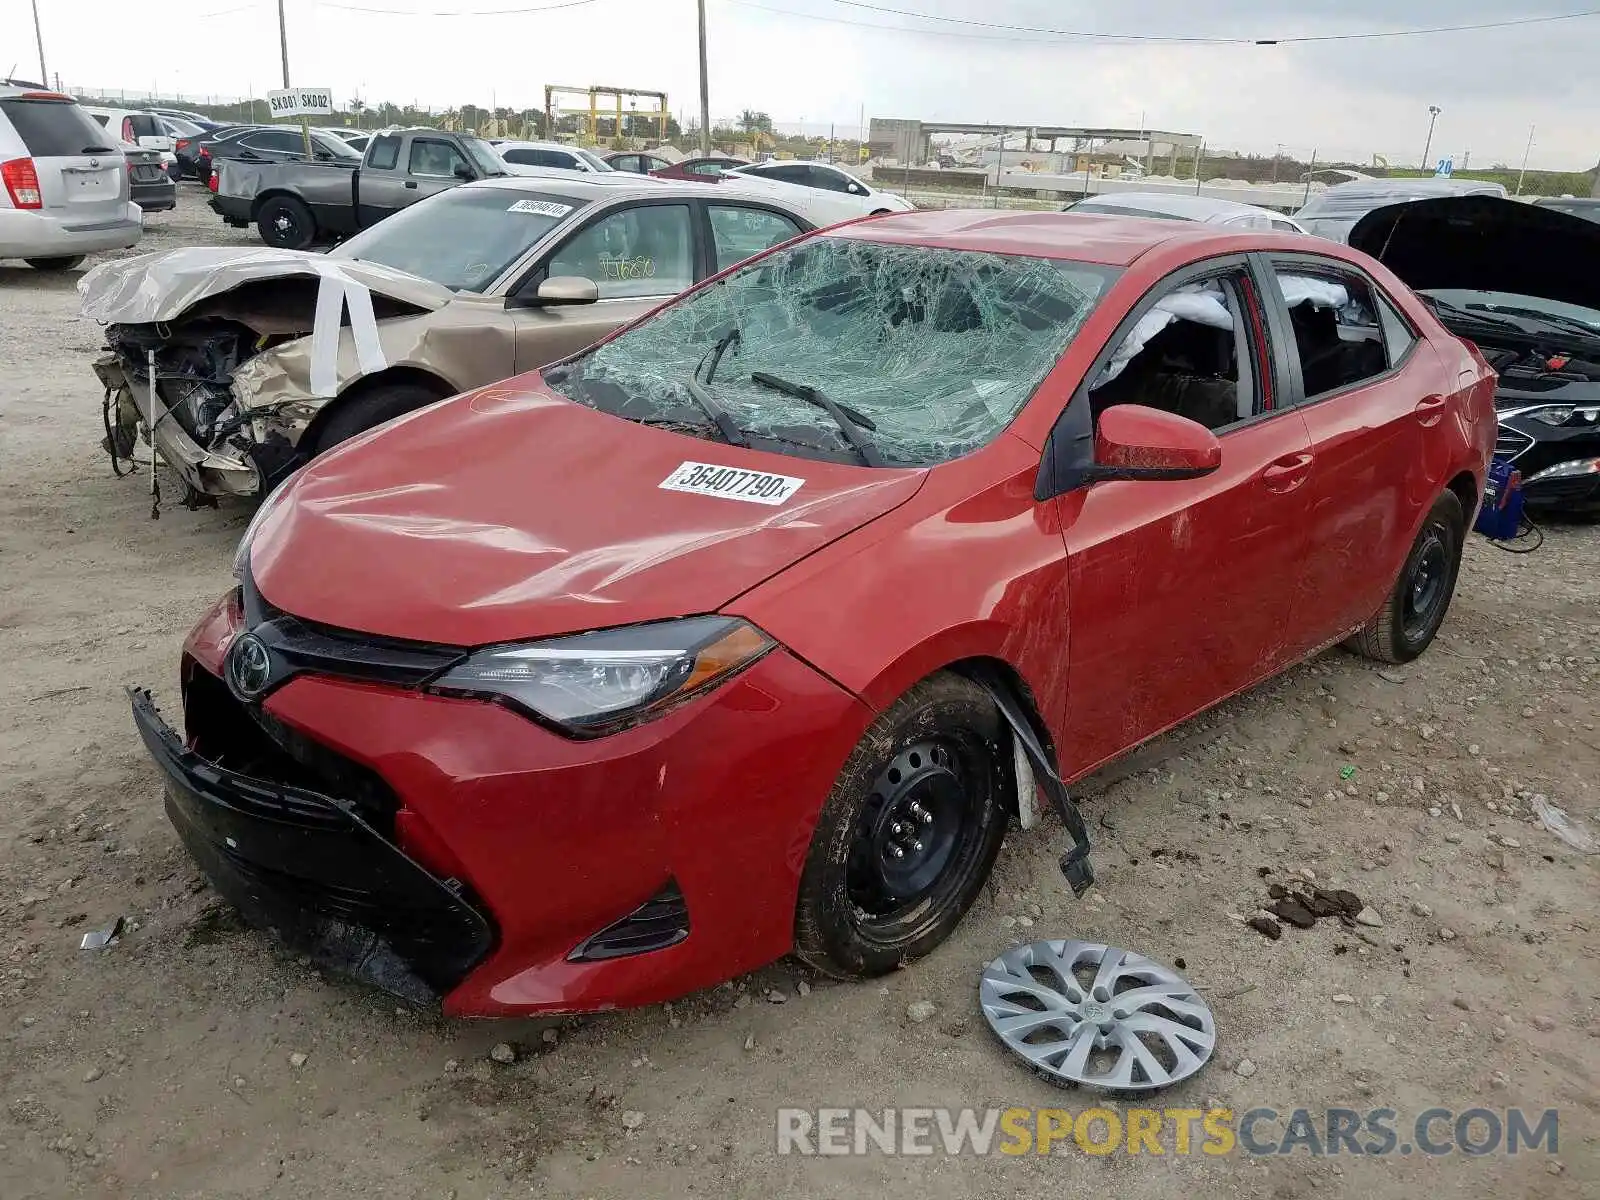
(1426, 587)
(1087, 1013)
(909, 831)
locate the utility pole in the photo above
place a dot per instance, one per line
(1433, 116)
(38, 36)
(283, 46)
(1528, 151)
(705, 95)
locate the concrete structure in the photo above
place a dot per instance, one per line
(908, 141)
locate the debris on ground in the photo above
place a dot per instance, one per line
(504, 1053)
(920, 1010)
(1266, 927)
(1569, 829)
(99, 939)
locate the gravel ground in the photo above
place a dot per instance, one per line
(171, 1064)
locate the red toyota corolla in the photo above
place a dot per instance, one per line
(748, 630)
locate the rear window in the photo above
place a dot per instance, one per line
(55, 128)
(144, 125)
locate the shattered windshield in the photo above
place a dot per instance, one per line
(464, 238)
(931, 351)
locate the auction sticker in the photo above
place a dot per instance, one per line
(731, 483)
(544, 208)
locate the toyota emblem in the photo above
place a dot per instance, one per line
(249, 667)
(94, 162)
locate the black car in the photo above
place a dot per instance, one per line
(279, 143)
(1522, 283)
(149, 186)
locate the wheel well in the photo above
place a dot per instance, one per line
(999, 673)
(365, 386)
(1466, 489)
(259, 201)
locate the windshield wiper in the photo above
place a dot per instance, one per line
(1466, 314)
(724, 344)
(845, 418)
(730, 432)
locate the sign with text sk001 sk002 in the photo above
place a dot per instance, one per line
(301, 102)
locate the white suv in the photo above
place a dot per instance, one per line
(63, 182)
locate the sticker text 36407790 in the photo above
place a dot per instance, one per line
(731, 483)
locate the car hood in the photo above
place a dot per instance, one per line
(1486, 243)
(164, 285)
(511, 513)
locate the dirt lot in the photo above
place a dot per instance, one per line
(162, 1066)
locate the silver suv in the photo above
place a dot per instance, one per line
(63, 182)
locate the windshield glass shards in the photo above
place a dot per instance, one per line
(928, 352)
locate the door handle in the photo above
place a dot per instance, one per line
(1287, 473)
(412, 184)
(1430, 410)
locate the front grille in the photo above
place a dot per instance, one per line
(1511, 444)
(299, 646)
(243, 738)
(661, 921)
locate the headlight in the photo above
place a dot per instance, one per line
(595, 682)
(1555, 415)
(1567, 470)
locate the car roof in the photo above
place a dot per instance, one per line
(1192, 208)
(519, 144)
(1107, 240)
(589, 189)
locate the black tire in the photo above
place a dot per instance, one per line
(286, 223)
(1411, 616)
(929, 763)
(361, 412)
(65, 263)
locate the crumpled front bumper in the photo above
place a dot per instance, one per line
(310, 868)
(207, 471)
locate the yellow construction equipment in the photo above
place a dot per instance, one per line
(593, 109)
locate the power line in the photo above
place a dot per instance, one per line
(1165, 39)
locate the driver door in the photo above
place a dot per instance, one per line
(434, 165)
(638, 256)
(1181, 592)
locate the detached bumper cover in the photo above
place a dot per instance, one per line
(309, 868)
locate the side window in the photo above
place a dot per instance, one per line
(432, 157)
(627, 162)
(706, 168)
(104, 120)
(792, 174)
(740, 232)
(1192, 353)
(642, 251)
(272, 141)
(1334, 317)
(1281, 226)
(384, 153)
(1397, 335)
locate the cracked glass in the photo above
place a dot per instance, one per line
(931, 351)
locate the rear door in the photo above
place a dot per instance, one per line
(82, 180)
(1181, 592)
(638, 255)
(1368, 395)
(381, 184)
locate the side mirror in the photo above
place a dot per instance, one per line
(565, 289)
(464, 172)
(856, 189)
(1134, 442)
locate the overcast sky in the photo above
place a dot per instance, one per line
(1346, 99)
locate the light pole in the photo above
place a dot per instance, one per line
(1433, 116)
(705, 96)
(38, 36)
